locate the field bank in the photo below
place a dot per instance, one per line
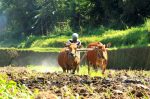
(134, 58)
(24, 58)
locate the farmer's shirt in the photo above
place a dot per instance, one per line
(76, 42)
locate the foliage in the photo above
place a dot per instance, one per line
(10, 89)
(42, 17)
(147, 23)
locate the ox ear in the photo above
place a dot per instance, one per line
(108, 45)
(67, 44)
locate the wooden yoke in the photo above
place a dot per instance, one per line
(84, 50)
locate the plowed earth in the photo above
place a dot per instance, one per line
(115, 85)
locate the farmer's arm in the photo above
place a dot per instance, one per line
(79, 44)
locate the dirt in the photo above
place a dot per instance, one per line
(120, 85)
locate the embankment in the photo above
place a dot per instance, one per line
(133, 58)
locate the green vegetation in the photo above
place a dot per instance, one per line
(40, 17)
(38, 23)
(45, 68)
(40, 49)
(32, 49)
(133, 37)
(83, 70)
(11, 90)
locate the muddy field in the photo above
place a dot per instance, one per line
(113, 85)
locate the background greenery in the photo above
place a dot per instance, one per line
(40, 22)
(135, 36)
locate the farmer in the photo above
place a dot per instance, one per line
(74, 40)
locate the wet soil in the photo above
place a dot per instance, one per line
(118, 85)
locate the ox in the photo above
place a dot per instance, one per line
(97, 57)
(68, 58)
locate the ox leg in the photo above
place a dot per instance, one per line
(64, 70)
(78, 68)
(67, 71)
(104, 66)
(103, 69)
(88, 68)
(73, 71)
(95, 68)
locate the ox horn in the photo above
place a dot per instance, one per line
(108, 45)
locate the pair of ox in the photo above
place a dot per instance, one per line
(97, 57)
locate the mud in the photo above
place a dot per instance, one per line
(118, 85)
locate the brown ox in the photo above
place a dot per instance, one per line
(68, 58)
(97, 57)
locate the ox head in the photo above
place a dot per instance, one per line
(101, 52)
(72, 49)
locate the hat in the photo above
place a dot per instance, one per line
(74, 36)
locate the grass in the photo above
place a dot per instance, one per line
(132, 37)
(129, 38)
(45, 68)
(41, 49)
(11, 90)
(83, 70)
(34, 49)
(52, 49)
